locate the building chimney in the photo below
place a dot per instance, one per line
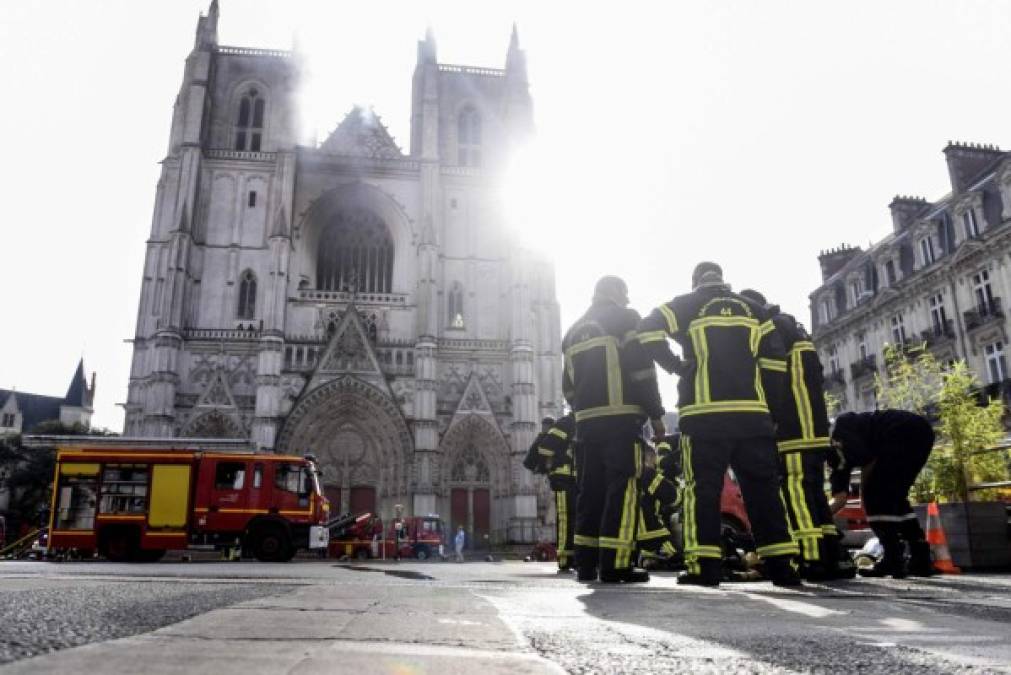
(967, 160)
(835, 259)
(905, 209)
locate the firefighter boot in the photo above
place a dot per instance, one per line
(837, 562)
(920, 563)
(629, 576)
(781, 572)
(891, 563)
(709, 572)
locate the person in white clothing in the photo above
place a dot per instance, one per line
(458, 542)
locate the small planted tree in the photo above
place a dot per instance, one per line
(914, 380)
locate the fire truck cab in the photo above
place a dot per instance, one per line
(134, 503)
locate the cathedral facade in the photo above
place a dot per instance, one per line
(349, 299)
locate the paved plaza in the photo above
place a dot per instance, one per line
(508, 617)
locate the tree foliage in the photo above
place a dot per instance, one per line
(27, 473)
(946, 395)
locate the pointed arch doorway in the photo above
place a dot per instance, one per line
(470, 497)
(361, 441)
(475, 476)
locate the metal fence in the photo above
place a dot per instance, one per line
(1005, 447)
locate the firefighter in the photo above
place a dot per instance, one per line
(557, 449)
(890, 447)
(658, 496)
(733, 371)
(534, 462)
(610, 383)
(802, 438)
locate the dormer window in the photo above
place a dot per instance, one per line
(927, 256)
(969, 223)
(468, 137)
(856, 290)
(249, 122)
(891, 275)
(826, 310)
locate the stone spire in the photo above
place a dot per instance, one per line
(427, 50)
(207, 29)
(516, 58)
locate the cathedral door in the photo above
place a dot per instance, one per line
(363, 499)
(459, 512)
(482, 516)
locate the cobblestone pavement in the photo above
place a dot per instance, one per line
(489, 617)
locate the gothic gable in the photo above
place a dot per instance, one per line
(361, 134)
(349, 352)
(217, 394)
(474, 399)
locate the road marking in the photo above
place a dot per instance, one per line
(895, 623)
(460, 622)
(795, 606)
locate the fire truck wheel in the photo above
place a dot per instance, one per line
(149, 555)
(422, 553)
(119, 545)
(362, 554)
(271, 544)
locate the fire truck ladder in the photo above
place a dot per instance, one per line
(20, 547)
(339, 524)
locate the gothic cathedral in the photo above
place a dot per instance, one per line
(348, 299)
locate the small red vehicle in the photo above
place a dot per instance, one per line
(419, 537)
(733, 515)
(131, 501)
(852, 519)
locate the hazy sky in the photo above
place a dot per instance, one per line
(750, 133)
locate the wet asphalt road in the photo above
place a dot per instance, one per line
(493, 617)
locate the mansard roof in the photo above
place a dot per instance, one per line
(362, 134)
(34, 408)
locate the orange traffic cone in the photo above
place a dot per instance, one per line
(938, 542)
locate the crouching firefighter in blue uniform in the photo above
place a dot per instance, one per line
(610, 383)
(890, 447)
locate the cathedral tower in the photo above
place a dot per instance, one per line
(348, 298)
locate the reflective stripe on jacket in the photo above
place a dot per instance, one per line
(734, 363)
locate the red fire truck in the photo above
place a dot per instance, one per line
(363, 536)
(133, 499)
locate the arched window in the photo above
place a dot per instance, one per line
(249, 125)
(355, 254)
(468, 137)
(247, 295)
(455, 308)
(470, 467)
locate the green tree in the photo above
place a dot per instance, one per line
(914, 380)
(27, 473)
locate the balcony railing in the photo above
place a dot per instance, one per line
(999, 390)
(938, 333)
(251, 332)
(360, 298)
(865, 366)
(836, 378)
(983, 314)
